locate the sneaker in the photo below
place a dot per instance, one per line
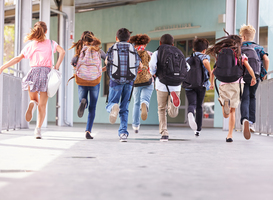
(135, 128)
(251, 128)
(226, 106)
(164, 138)
(144, 111)
(197, 133)
(82, 107)
(37, 133)
(114, 114)
(88, 135)
(192, 122)
(30, 110)
(246, 130)
(175, 99)
(123, 137)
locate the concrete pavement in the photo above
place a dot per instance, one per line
(64, 165)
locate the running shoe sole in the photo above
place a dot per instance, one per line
(246, 130)
(192, 122)
(227, 106)
(29, 111)
(114, 114)
(175, 99)
(144, 112)
(81, 108)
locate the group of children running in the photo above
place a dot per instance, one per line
(134, 71)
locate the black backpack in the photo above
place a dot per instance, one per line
(225, 68)
(171, 65)
(196, 74)
(253, 61)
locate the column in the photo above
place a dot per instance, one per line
(45, 17)
(2, 20)
(23, 24)
(253, 14)
(66, 36)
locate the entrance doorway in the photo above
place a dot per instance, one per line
(186, 46)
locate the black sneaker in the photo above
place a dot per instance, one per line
(88, 135)
(82, 107)
(196, 133)
(164, 138)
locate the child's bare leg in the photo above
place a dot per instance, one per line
(231, 122)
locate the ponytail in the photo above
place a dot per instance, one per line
(38, 32)
(78, 46)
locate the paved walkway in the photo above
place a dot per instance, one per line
(64, 165)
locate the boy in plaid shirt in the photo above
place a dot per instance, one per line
(121, 88)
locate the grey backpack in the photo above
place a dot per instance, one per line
(253, 60)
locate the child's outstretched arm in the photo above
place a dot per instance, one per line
(266, 64)
(207, 66)
(212, 80)
(12, 62)
(251, 72)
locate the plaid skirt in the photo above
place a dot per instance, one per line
(36, 79)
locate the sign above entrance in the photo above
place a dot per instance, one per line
(174, 27)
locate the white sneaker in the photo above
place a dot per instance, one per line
(246, 130)
(135, 128)
(114, 113)
(251, 128)
(192, 122)
(30, 110)
(37, 133)
(123, 137)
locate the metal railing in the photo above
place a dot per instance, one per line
(12, 95)
(264, 108)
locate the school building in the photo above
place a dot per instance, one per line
(184, 19)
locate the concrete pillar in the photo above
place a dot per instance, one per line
(2, 19)
(66, 35)
(45, 17)
(231, 16)
(253, 16)
(23, 24)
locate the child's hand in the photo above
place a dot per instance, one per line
(253, 81)
(263, 77)
(104, 69)
(211, 87)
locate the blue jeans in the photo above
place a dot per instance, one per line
(141, 94)
(93, 97)
(116, 93)
(248, 103)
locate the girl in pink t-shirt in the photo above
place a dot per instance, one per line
(38, 51)
(229, 93)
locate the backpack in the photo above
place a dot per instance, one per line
(88, 67)
(123, 63)
(144, 76)
(225, 68)
(253, 60)
(171, 65)
(196, 74)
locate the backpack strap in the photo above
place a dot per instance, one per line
(216, 86)
(131, 93)
(115, 55)
(168, 89)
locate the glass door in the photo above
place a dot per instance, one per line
(186, 46)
